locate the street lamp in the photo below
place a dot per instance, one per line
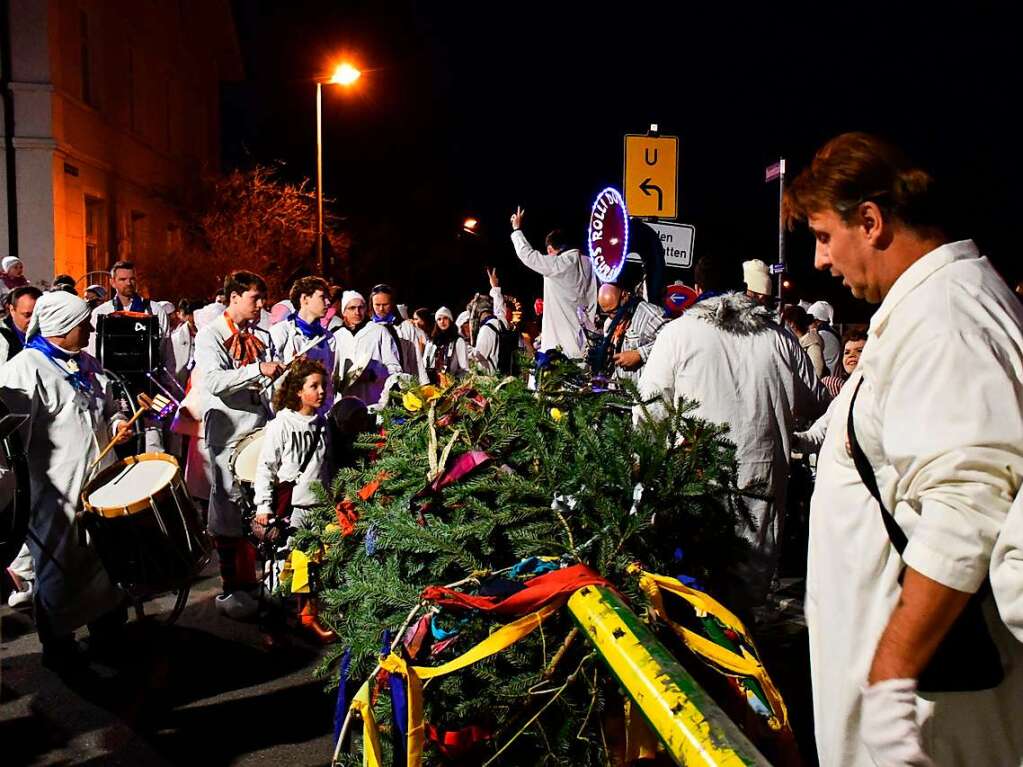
(471, 225)
(345, 75)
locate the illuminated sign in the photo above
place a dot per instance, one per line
(609, 234)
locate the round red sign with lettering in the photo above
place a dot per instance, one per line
(609, 234)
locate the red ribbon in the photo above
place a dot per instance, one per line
(537, 592)
(454, 743)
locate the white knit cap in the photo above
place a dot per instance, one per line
(757, 277)
(10, 261)
(463, 318)
(822, 311)
(350, 295)
(444, 312)
(57, 314)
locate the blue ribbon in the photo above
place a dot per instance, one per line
(399, 700)
(440, 634)
(532, 566)
(137, 304)
(313, 330)
(78, 379)
(341, 709)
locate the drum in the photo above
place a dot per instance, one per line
(245, 457)
(144, 525)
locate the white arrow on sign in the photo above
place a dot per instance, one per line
(677, 240)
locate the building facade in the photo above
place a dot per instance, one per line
(110, 119)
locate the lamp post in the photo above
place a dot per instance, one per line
(346, 75)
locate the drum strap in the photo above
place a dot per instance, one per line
(312, 448)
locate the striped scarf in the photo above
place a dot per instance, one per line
(243, 348)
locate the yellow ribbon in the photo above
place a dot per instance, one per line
(499, 640)
(371, 754)
(744, 665)
(296, 570)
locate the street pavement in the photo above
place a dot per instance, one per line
(203, 691)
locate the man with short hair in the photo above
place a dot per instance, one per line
(236, 361)
(936, 402)
(367, 354)
(22, 301)
(569, 288)
(72, 416)
(309, 296)
(125, 297)
(629, 334)
(404, 334)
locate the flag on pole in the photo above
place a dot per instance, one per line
(774, 171)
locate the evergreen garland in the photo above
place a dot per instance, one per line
(569, 476)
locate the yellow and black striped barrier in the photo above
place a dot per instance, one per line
(693, 729)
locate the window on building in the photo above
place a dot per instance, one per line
(137, 236)
(95, 234)
(88, 87)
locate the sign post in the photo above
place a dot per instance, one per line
(777, 171)
(651, 175)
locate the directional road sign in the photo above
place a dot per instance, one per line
(651, 176)
(677, 241)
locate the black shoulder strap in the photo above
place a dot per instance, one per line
(866, 472)
(312, 448)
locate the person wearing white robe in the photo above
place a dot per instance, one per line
(72, 416)
(367, 356)
(294, 333)
(569, 289)
(744, 371)
(405, 334)
(939, 418)
(236, 388)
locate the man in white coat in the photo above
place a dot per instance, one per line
(405, 334)
(293, 334)
(745, 371)
(236, 362)
(569, 289)
(72, 416)
(367, 355)
(939, 418)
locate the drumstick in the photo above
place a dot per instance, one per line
(145, 403)
(311, 344)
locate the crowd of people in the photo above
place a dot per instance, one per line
(916, 424)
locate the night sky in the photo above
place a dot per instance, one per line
(472, 108)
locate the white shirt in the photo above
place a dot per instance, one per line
(107, 307)
(182, 352)
(458, 359)
(66, 432)
(370, 343)
(237, 400)
(748, 373)
(940, 418)
(288, 439)
(289, 341)
(569, 287)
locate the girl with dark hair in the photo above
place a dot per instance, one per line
(446, 353)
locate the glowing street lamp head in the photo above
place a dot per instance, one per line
(344, 74)
(470, 225)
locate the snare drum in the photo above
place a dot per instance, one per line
(144, 525)
(245, 457)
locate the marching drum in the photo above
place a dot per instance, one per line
(145, 527)
(245, 458)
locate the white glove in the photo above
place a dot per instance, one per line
(888, 725)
